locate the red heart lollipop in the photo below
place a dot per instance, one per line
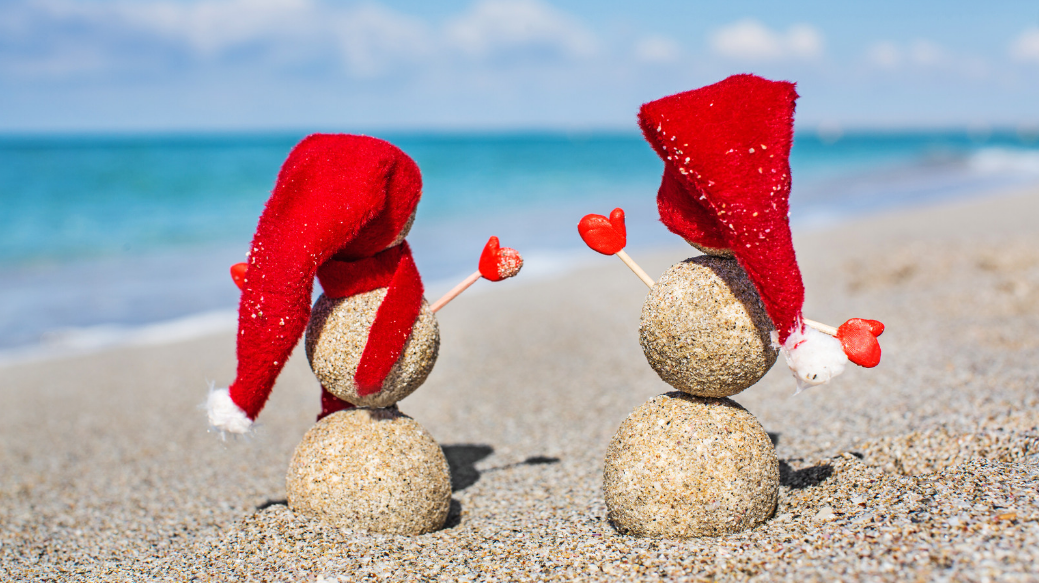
(238, 274)
(498, 263)
(607, 236)
(859, 339)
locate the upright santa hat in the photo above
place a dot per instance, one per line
(726, 186)
(338, 211)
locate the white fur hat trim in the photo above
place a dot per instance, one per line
(813, 356)
(224, 414)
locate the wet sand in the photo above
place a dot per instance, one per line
(926, 467)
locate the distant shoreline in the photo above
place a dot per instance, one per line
(540, 266)
(1027, 134)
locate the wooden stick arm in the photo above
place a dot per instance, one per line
(824, 328)
(646, 279)
(461, 287)
(496, 263)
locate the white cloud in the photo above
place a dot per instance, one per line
(373, 39)
(124, 35)
(56, 37)
(657, 49)
(749, 40)
(804, 41)
(368, 38)
(127, 35)
(1026, 46)
(218, 25)
(207, 27)
(884, 54)
(495, 27)
(926, 53)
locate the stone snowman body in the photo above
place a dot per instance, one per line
(693, 462)
(338, 214)
(369, 467)
(365, 465)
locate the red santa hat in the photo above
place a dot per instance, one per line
(726, 185)
(339, 206)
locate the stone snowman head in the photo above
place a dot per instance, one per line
(726, 190)
(339, 212)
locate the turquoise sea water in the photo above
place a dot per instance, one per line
(109, 233)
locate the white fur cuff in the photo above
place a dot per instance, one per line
(224, 414)
(814, 357)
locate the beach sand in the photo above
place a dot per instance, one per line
(924, 468)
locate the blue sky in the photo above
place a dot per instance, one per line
(186, 65)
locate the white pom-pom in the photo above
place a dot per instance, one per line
(813, 357)
(224, 414)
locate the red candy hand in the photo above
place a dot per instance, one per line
(607, 236)
(859, 339)
(238, 274)
(498, 263)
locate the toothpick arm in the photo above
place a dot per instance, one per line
(646, 279)
(461, 287)
(821, 327)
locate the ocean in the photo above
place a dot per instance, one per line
(115, 239)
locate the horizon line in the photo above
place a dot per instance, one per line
(827, 131)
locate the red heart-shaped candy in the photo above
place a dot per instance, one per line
(498, 263)
(859, 339)
(238, 274)
(875, 326)
(607, 236)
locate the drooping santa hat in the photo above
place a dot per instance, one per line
(339, 202)
(726, 185)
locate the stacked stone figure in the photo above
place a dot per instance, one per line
(371, 467)
(693, 462)
(339, 213)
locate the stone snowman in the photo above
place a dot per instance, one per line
(693, 462)
(339, 212)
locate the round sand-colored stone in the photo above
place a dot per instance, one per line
(372, 470)
(683, 466)
(335, 340)
(704, 328)
(716, 251)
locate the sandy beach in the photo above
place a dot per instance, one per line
(926, 468)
